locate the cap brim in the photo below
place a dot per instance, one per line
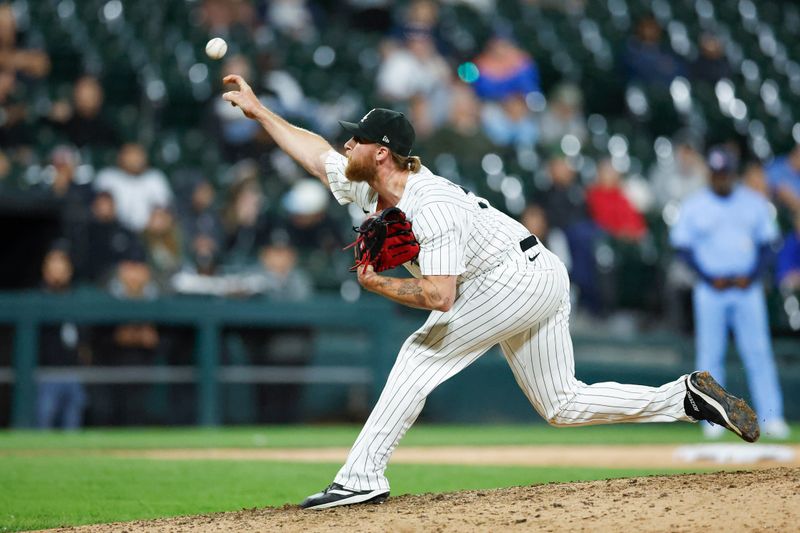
(354, 129)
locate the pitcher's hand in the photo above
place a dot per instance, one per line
(367, 277)
(244, 98)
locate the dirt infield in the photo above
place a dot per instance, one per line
(757, 500)
(635, 456)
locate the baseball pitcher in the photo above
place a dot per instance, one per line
(486, 281)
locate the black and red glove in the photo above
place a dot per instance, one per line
(385, 240)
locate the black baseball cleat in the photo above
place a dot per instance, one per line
(336, 495)
(707, 400)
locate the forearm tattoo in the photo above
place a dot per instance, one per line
(410, 287)
(411, 292)
(413, 288)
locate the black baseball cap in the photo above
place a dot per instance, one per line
(386, 127)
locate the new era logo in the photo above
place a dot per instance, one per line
(385, 139)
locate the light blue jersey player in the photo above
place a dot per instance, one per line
(724, 233)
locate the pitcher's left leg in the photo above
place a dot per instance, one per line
(543, 365)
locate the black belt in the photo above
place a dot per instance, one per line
(528, 242)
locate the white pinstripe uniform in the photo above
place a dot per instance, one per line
(517, 298)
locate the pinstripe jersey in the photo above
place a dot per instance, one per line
(459, 233)
(506, 296)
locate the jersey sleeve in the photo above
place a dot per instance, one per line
(344, 190)
(682, 235)
(441, 250)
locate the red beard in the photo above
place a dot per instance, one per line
(360, 170)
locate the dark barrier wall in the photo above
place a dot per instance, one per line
(353, 350)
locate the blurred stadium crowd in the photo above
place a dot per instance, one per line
(589, 121)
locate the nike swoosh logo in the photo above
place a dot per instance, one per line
(532, 259)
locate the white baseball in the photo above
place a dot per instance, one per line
(216, 48)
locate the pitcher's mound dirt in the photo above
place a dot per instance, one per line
(759, 500)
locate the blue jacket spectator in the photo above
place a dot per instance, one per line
(505, 70)
(787, 267)
(783, 177)
(646, 60)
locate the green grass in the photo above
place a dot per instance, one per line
(71, 484)
(44, 492)
(316, 436)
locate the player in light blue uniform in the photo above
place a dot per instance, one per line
(724, 233)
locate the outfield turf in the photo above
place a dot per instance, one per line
(70, 484)
(335, 436)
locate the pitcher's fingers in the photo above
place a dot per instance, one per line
(235, 78)
(230, 96)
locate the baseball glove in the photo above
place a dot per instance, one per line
(385, 240)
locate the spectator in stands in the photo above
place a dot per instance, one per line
(679, 173)
(204, 254)
(283, 280)
(563, 116)
(724, 233)
(292, 18)
(564, 202)
(14, 56)
(505, 69)
(244, 221)
(200, 267)
(199, 215)
(73, 197)
(239, 138)
(233, 20)
(510, 123)
(20, 67)
(413, 72)
(107, 241)
(610, 208)
(61, 400)
(83, 121)
(507, 76)
(136, 187)
(127, 344)
(787, 268)
(534, 218)
(308, 224)
(462, 138)
(163, 243)
(281, 276)
(134, 279)
(646, 59)
(711, 65)
(314, 233)
(422, 16)
(14, 131)
(783, 177)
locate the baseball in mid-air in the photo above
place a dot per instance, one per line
(216, 48)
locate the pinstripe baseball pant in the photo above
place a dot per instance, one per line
(524, 306)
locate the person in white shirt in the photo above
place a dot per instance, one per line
(136, 188)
